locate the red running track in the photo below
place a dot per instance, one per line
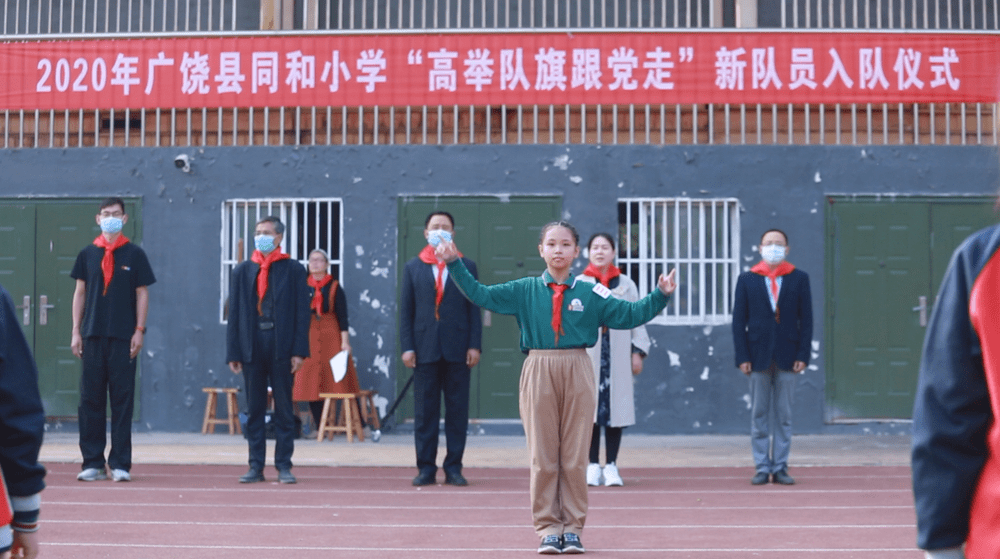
(670, 513)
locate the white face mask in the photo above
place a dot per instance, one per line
(435, 236)
(112, 224)
(263, 243)
(772, 254)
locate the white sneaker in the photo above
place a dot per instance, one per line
(120, 475)
(594, 475)
(611, 477)
(92, 474)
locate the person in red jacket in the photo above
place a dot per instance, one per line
(956, 438)
(22, 422)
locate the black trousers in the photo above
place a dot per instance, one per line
(107, 370)
(430, 380)
(258, 374)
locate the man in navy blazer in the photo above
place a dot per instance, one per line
(440, 333)
(267, 338)
(772, 336)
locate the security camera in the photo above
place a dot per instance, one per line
(183, 162)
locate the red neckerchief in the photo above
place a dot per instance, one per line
(265, 269)
(557, 301)
(782, 269)
(318, 285)
(605, 278)
(427, 256)
(108, 262)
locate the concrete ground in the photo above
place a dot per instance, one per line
(500, 451)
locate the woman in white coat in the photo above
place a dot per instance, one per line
(617, 356)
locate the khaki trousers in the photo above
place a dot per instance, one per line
(557, 401)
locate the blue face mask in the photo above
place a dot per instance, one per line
(772, 254)
(263, 243)
(112, 224)
(435, 236)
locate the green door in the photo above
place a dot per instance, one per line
(45, 238)
(502, 238)
(885, 260)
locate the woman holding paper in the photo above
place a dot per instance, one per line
(328, 335)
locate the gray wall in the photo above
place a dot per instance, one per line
(777, 186)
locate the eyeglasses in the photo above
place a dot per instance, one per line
(112, 214)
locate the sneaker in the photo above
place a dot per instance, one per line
(92, 474)
(611, 477)
(285, 476)
(120, 475)
(571, 544)
(551, 545)
(253, 475)
(594, 475)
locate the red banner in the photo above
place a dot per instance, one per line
(500, 68)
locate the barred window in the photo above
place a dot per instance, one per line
(310, 223)
(698, 237)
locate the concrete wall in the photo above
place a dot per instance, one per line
(699, 392)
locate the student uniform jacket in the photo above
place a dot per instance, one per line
(757, 336)
(586, 307)
(956, 440)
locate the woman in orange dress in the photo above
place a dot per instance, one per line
(328, 335)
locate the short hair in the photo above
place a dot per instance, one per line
(560, 223)
(774, 231)
(279, 227)
(112, 201)
(427, 221)
(607, 236)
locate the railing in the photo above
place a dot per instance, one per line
(839, 124)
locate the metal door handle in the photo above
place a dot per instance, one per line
(26, 316)
(43, 309)
(487, 319)
(922, 308)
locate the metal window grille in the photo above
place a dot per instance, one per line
(700, 238)
(310, 223)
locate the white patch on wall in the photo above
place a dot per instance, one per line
(357, 265)
(576, 179)
(707, 330)
(704, 374)
(364, 298)
(356, 180)
(675, 359)
(696, 425)
(746, 398)
(350, 330)
(378, 341)
(816, 178)
(381, 403)
(562, 161)
(381, 363)
(376, 304)
(812, 211)
(689, 389)
(384, 272)
(711, 351)
(621, 185)
(359, 250)
(813, 367)
(815, 345)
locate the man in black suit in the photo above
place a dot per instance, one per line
(267, 338)
(772, 335)
(440, 333)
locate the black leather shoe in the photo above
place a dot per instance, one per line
(783, 478)
(456, 479)
(285, 476)
(253, 475)
(424, 478)
(760, 478)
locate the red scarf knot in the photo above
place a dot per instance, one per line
(318, 285)
(427, 256)
(108, 262)
(265, 269)
(782, 269)
(557, 303)
(603, 277)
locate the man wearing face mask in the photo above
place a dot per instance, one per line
(772, 334)
(267, 339)
(109, 325)
(440, 333)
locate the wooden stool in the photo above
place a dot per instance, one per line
(232, 410)
(350, 417)
(369, 413)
